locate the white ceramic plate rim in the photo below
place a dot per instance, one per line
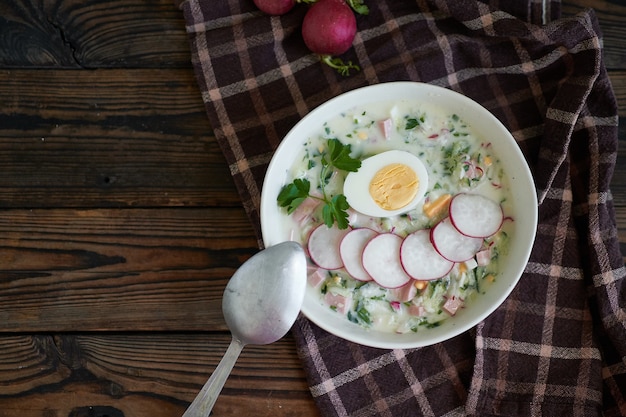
(484, 124)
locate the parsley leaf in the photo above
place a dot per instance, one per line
(292, 195)
(340, 158)
(335, 211)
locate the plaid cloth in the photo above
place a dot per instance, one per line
(557, 346)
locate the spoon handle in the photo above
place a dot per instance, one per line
(204, 401)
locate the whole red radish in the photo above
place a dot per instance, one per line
(328, 29)
(275, 7)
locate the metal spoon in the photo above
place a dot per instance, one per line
(260, 304)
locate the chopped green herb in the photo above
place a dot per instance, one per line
(411, 123)
(352, 318)
(433, 324)
(364, 315)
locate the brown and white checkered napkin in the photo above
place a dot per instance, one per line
(557, 346)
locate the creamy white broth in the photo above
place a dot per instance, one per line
(448, 148)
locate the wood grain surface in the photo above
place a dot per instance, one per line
(120, 223)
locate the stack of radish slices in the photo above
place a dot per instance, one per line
(426, 254)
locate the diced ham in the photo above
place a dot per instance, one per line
(483, 257)
(386, 126)
(452, 304)
(339, 302)
(416, 310)
(304, 211)
(317, 277)
(405, 293)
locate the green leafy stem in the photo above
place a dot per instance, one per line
(357, 5)
(335, 156)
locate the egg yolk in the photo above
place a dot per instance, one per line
(394, 186)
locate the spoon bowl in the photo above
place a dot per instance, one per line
(260, 304)
(264, 297)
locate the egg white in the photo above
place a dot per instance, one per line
(356, 185)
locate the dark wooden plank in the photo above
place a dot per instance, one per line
(150, 374)
(108, 138)
(25, 362)
(611, 15)
(92, 34)
(618, 81)
(185, 364)
(27, 38)
(123, 270)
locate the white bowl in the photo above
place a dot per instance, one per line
(484, 124)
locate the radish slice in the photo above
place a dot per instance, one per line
(323, 246)
(381, 259)
(475, 215)
(351, 251)
(420, 259)
(452, 244)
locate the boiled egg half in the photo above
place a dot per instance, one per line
(387, 184)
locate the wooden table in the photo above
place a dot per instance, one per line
(120, 224)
